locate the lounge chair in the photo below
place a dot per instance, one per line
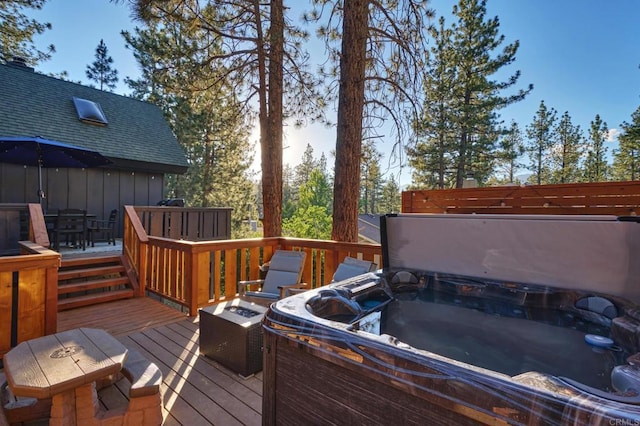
(285, 271)
(351, 267)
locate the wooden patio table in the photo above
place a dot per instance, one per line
(51, 222)
(65, 366)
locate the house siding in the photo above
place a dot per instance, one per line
(96, 190)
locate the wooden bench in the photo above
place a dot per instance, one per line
(145, 399)
(144, 375)
(144, 406)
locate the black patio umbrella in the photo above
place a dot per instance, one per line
(40, 152)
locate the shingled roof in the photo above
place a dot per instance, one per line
(369, 228)
(137, 137)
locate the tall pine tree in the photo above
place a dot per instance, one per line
(255, 45)
(204, 113)
(390, 197)
(17, 32)
(312, 217)
(565, 155)
(101, 70)
(380, 58)
(596, 167)
(478, 96)
(511, 148)
(540, 142)
(461, 125)
(626, 159)
(430, 157)
(371, 177)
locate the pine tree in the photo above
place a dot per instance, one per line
(390, 197)
(371, 179)
(254, 44)
(565, 155)
(626, 159)
(596, 168)
(380, 58)
(312, 218)
(460, 126)
(101, 70)
(289, 192)
(316, 191)
(511, 148)
(304, 169)
(430, 157)
(349, 132)
(17, 32)
(205, 115)
(540, 142)
(477, 94)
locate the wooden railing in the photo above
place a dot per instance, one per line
(601, 198)
(192, 274)
(192, 224)
(196, 274)
(28, 294)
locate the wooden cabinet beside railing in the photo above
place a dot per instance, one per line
(28, 295)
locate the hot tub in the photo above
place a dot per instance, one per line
(415, 344)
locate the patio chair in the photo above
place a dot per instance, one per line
(285, 271)
(105, 227)
(351, 267)
(71, 225)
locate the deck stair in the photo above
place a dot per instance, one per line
(90, 280)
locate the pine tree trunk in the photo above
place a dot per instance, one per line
(271, 128)
(349, 130)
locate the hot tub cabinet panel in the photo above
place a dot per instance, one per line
(310, 387)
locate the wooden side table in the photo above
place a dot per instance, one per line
(65, 366)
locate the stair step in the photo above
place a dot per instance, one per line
(90, 272)
(94, 260)
(82, 275)
(91, 285)
(92, 299)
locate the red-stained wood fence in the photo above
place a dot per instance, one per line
(601, 198)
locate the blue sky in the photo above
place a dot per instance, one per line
(582, 56)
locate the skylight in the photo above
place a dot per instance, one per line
(90, 112)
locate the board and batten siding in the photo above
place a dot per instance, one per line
(98, 190)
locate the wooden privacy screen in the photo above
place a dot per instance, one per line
(601, 198)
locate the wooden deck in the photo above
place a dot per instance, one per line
(196, 390)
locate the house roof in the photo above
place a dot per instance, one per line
(369, 227)
(137, 137)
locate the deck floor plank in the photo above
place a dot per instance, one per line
(196, 390)
(254, 383)
(233, 391)
(215, 384)
(121, 316)
(177, 394)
